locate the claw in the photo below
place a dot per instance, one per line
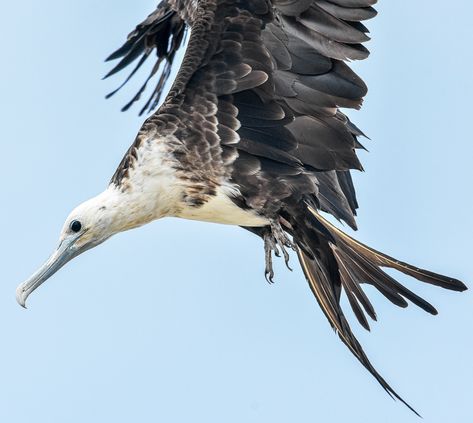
(275, 240)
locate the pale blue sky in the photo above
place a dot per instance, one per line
(174, 322)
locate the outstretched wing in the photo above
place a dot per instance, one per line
(275, 77)
(257, 103)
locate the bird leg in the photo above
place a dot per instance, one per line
(275, 239)
(269, 247)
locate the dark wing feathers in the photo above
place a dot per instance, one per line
(269, 60)
(346, 185)
(348, 14)
(161, 32)
(267, 82)
(256, 102)
(322, 22)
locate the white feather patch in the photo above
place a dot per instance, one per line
(221, 209)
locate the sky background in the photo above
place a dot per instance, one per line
(174, 322)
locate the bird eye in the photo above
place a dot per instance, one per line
(75, 226)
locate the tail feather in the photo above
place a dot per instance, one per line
(339, 261)
(384, 260)
(355, 294)
(390, 287)
(321, 287)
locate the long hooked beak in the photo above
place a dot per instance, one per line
(64, 253)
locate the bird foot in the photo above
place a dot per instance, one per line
(275, 239)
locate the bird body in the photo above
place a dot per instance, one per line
(251, 134)
(153, 191)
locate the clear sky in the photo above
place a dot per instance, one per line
(174, 322)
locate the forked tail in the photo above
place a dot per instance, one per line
(332, 260)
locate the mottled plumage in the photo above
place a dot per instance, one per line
(251, 134)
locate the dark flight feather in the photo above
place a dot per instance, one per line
(163, 31)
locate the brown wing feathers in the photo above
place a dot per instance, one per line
(279, 78)
(257, 101)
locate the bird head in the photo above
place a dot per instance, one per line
(87, 226)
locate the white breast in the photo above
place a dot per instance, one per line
(221, 209)
(156, 189)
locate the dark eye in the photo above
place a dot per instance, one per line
(75, 226)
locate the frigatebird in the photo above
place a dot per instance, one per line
(252, 134)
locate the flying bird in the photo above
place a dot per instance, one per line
(252, 134)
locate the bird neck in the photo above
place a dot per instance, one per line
(150, 191)
(134, 206)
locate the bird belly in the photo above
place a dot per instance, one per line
(221, 209)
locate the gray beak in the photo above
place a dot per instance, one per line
(64, 253)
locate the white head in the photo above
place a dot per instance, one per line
(87, 226)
